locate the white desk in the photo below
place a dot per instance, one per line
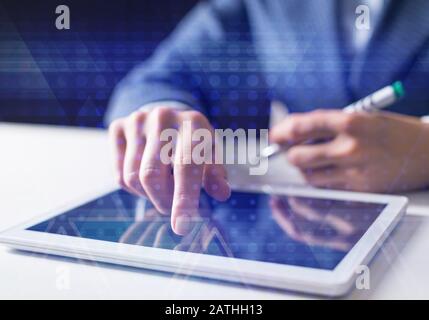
(42, 167)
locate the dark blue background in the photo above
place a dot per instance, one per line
(66, 76)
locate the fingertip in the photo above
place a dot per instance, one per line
(218, 189)
(162, 209)
(182, 224)
(162, 202)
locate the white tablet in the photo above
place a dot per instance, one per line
(298, 239)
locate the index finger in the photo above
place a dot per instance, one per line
(320, 124)
(187, 186)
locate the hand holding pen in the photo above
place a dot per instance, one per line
(376, 101)
(359, 151)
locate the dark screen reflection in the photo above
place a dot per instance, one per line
(299, 231)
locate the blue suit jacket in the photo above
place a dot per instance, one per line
(230, 58)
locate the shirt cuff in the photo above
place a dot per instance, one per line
(167, 103)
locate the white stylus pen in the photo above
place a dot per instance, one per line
(376, 101)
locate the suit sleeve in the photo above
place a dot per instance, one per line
(177, 71)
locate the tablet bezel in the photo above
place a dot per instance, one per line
(317, 281)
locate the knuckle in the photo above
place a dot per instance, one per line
(320, 112)
(195, 116)
(351, 149)
(350, 122)
(184, 200)
(135, 122)
(183, 196)
(161, 113)
(137, 117)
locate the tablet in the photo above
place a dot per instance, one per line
(307, 240)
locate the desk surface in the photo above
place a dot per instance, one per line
(43, 167)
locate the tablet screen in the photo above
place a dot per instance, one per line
(290, 230)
